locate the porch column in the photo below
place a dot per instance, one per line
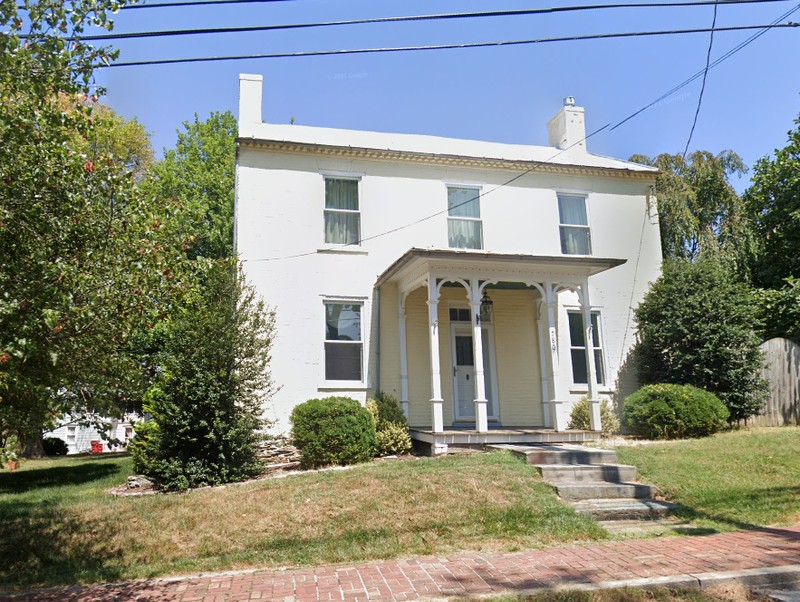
(437, 415)
(591, 377)
(403, 354)
(551, 301)
(541, 308)
(481, 415)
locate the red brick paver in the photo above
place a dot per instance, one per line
(465, 574)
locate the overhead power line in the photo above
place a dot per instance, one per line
(312, 53)
(607, 126)
(703, 86)
(400, 19)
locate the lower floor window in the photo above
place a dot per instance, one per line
(577, 343)
(343, 342)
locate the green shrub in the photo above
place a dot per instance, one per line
(579, 417)
(391, 426)
(206, 401)
(674, 411)
(335, 430)
(54, 446)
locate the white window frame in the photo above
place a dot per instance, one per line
(585, 196)
(600, 371)
(334, 175)
(479, 193)
(334, 384)
(72, 435)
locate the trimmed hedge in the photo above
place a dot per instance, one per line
(579, 417)
(334, 430)
(668, 411)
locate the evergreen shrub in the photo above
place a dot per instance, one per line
(668, 411)
(54, 446)
(391, 426)
(334, 430)
(579, 417)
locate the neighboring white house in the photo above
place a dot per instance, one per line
(78, 434)
(463, 277)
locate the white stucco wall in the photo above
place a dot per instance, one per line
(280, 237)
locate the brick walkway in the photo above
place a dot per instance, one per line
(673, 560)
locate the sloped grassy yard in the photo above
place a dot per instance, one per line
(735, 480)
(59, 525)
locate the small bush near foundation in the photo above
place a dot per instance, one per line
(579, 418)
(674, 411)
(54, 446)
(335, 430)
(391, 426)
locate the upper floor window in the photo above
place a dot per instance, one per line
(577, 346)
(343, 343)
(574, 225)
(342, 215)
(464, 227)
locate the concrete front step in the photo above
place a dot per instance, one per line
(581, 473)
(562, 454)
(601, 490)
(623, 508)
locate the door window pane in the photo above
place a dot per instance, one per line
(577, 340)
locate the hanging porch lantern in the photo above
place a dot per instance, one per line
(487, 308)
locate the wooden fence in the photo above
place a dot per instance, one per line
(782, 371)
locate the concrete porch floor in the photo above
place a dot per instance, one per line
(426, 441)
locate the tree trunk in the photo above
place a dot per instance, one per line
(33, 446)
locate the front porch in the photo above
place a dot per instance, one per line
(431, 442)
(466, 376)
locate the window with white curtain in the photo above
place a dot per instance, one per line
(574, 225)
(342, 215)
(464, 227)
(343, 342)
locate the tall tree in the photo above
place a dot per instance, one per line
(699, 210)
(199, 176)
(774, 203)
(84, 254)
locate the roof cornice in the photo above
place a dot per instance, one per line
(373, 154)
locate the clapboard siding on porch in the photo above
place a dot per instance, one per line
(782, 371)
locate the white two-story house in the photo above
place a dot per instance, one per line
(487, 286)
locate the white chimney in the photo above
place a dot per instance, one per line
(250, 87)
(567, 128)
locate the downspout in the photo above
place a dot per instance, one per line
(378, 341)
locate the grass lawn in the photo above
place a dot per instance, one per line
(729, 481)
(60, 526)
(729, 593)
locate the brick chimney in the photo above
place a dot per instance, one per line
(567, 129)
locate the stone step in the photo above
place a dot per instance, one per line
(600, 490)
(563, 454)
(623, 508)
(580, 473)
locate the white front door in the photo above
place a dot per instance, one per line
(464, 373)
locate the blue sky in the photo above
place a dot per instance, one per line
(498, 94)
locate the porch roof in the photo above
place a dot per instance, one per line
(417, 261)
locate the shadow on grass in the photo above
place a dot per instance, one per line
(45, 544)
(57, 476)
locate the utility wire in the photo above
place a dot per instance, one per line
(608, 126)
(557, 9)
(703, 86)
(724, 57)
(599, 36)
(432, 17)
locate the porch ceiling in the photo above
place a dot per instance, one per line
(416, 263)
